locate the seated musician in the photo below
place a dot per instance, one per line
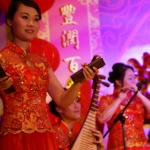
(68, 127)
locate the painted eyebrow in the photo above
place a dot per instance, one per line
(28, 14)
(131, 75)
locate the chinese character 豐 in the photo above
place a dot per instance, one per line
(67, 11)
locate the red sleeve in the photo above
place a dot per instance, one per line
(105, 101)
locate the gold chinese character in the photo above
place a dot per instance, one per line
(73, 65)
(67, 11)
(70, 37)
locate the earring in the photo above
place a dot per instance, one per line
(60, 111)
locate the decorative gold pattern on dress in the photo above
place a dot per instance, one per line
(23, 54)
(28, 60)
(26, 110)
(134, 114)
(64, 137)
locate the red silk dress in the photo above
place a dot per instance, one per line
(64, 137)
(134, 119)
(25, 124)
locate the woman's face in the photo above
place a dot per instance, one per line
(129, 78)
(73, 112)
(25, 24)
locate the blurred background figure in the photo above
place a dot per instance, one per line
(123, 78)
(69, 125)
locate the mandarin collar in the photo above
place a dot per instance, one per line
(64, 126)
(15, 48)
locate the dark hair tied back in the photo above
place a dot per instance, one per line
(14, 4)
(111, 77)
(52, 108)
(118, 72)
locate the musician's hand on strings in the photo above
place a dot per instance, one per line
(88, 72)
(99, 139)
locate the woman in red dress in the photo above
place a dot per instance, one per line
(25, 123)
(123, 78)
(68, 128)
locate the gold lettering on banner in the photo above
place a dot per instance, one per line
(70, 37)
(73, 65)
(67, 12)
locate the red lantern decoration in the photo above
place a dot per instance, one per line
(4, 5)
(43, 4)
(47, 50)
